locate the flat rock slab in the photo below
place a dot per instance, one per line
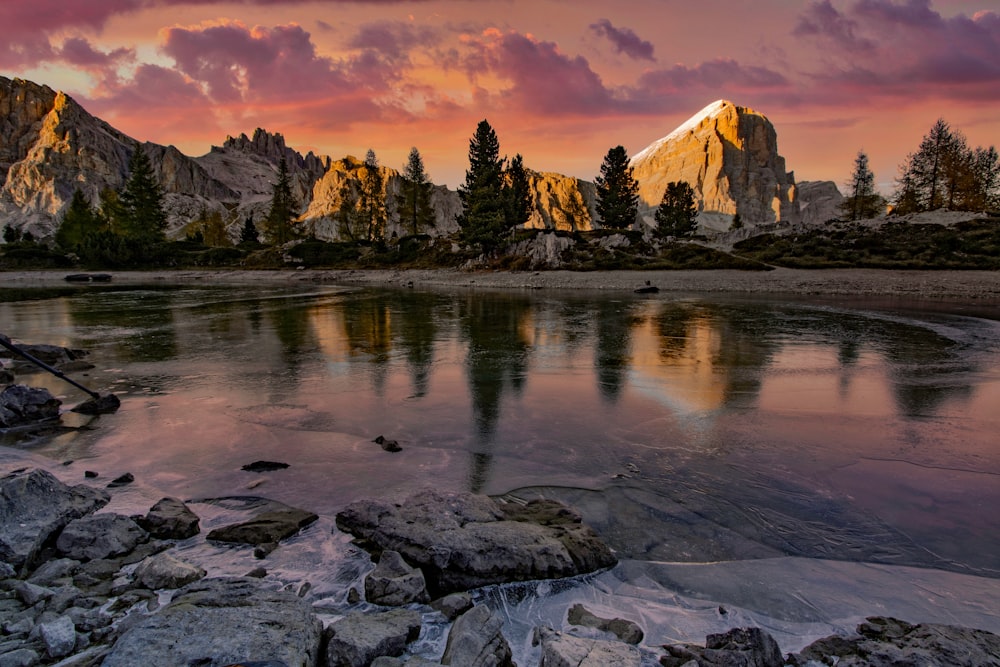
(462, 540)
(34, 506)
(223, 621)
(268, 527)
(100, 536)
(746, 647)
(357, 639)
(563, 650)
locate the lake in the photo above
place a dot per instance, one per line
(800, 462)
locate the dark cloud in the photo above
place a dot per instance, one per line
(78, 52)
(822, 20)
(624, 40)
(720, 74)
(394, 40)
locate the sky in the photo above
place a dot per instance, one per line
(561, 81)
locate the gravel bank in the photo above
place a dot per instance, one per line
(983, 286)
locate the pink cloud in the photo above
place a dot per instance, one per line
(624, 40)
(912, 50)
(78, 52)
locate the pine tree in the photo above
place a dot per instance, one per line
(862, 201)
(79, 220)
(484, 218)
(416, 212)
(372, 200)
(142, 215)
(519, 204)
(985, 195)
(677, 214)
(617, 191)
(248, 235)
(283, 210)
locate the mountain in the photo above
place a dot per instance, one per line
(729, 155)
(50, 146)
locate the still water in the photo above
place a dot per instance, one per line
(791, 458)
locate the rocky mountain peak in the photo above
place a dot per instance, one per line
(271, 146)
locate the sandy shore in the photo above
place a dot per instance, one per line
(982, 286)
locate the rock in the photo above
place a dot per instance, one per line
(53, 355)
(100, 536)
(34, 506)
(562, 650)
(256, 573)
(739, 647)
(357, 639)
(121, 480)
(21, 405)
(31, 594)
(270, 526)
(170, 519)
(462, 541)
(6, 377)
(21, 657)
(543, 251)
(59, 636)
(627, 631)
(220, 621)
(387, 445)
(476, 638)
(885, 642)
(102, 405)
(819, 201)
(453, 605)
(88, 278)
(52, 570)
(413, 661)
(394, 583)
(562, 203)
(165, 571)
(264, 466)
(90, 474)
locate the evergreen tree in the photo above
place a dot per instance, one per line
(11, 234)
(985, 193)
(372, 200)
(519, 204)
(248, 235)
(617, 191)
(737, 222)
(283, 210)
(416, 212)
(677, 214)
(484, 206)
(349, 224)
(862, 201)
(79, 220)
(142, 217)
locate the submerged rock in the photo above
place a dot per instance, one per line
(170, 519)
(222, 621)
(34, 506)
(462, 540)
(264, 466)
(269, 527)
(889, 642)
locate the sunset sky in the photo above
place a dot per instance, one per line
(561, 81)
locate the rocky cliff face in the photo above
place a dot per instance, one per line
(729, 155)
(561, 202)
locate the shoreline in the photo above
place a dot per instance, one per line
(980, 286)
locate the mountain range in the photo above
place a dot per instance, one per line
(50, 146)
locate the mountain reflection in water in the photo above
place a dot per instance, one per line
(687, 429)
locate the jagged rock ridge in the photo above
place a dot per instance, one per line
(50, 146)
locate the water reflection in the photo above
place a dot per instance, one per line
(745, 411)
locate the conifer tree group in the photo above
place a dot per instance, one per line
(617, 191)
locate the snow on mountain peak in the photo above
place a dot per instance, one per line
(710, 111)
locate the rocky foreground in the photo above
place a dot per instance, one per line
(83, 587)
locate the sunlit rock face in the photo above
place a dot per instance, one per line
(561, 202)
(341, 184)
(729, 155)
(819, 201)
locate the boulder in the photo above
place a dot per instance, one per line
(170, 519)
(268, 527)
(52, 570)
(562, 650)
(165, 571)
(21, 657)
(100, 536)
(453, 605)
(21, 405)
(59, 636)
(476, 638)
(34, 506)
(357, 639)
(222, 621)
(885, 642)
(394, 583)
(627, 631)
(462, 540)
(739, 647)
